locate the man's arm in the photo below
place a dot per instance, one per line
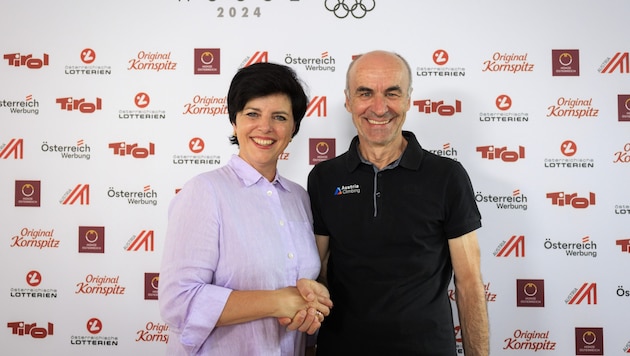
(322, 242)
(470, 294)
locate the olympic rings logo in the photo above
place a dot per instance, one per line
(358, 10)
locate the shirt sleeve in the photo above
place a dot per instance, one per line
(462, 213)
(189, 302)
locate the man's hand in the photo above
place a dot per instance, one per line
(319, 304)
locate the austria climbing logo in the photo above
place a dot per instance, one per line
(348, 189)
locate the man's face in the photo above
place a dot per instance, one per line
(378, 98)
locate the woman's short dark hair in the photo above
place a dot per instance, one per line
(262, 79)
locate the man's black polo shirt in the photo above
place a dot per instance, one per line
(389, 267)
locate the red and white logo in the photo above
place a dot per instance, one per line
(141, 100)
(492, 152)
(88, 56)
(572, 199)
(503, 102)
(317, 106)
(26, 60)
(14, 148)
(33, 278)
(515, 245)
(438, 107)
(94, 326)
(440, 57)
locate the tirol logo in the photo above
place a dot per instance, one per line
(87, 57)
(516, 201)
(80, 193)
(572, 199)
(317, 107)
(33, 280)
(144, 240)
(525, 340)
(78, 151)
(427, 106)
(22, 328)
(147, 196)
(323, 63)
(619, 62)
(152, 61)
(26, 106)
(510, 63)
(94, 327)
(503, 103)
(153, 332)
(440, 58)
(357, 8)
(565, 62)
(586, 293)
(14, 148)
(131, 149)
(71, 104)
(446, 151)
(151, 284)
(206, 105)
(91, 239)
(568, 149)
(584, 248)
(575, 108)
(501, 153)
(196, 145)
(530, 293)
(320, 149)
(257, 57)
(515, 245)
(207, 61)
(26, 60)
(624, 244)
(623, 104)
(141, 111)
(589, 341)
(27, 193)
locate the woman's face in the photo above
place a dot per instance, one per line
(264, 128)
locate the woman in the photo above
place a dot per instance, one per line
(240, 255)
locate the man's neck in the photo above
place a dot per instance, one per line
(382, 156)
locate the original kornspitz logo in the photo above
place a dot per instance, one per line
(103, 285)
(357, 8)
(206, 105)
(153, 332)
(509, 63)
(152, 61)
(35, 238)
(26, 60)
(490, 296)
(525, 340)
(573, 108)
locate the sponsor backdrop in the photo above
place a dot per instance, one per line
(107, 108)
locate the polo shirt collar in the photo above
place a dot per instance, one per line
(411, 157)
(250, 176)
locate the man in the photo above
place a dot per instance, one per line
(395, 222)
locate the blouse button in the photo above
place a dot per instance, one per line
(269, 193)
(290, 255)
